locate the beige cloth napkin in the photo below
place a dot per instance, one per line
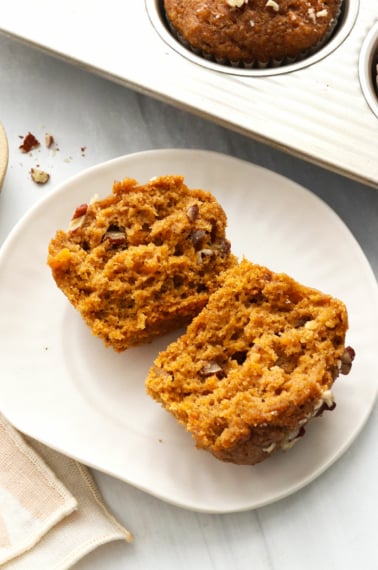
(51, 512)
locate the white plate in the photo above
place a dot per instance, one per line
(60, 385)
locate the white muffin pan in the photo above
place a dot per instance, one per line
(323, 109)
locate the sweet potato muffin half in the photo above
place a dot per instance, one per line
(142, 261)
(255, 366)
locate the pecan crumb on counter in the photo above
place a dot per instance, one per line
(29, 142)
(39, 176)
(49, 140)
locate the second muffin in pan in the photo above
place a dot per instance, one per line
(253, 33)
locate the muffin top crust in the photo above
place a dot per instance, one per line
(252, 30)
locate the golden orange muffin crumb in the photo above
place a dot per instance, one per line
(142, 261)
(255, 366)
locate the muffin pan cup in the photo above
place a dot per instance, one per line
(338, 31)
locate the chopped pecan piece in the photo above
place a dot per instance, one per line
(203, 254)
(39, 176)
(192, 212)
(325, 407)
(197, 237)
(211, 368)
(223, 247)
(347, 360)
(49, 140)
(80, 211)
(78, 217)
(115, 236)
(29, 143)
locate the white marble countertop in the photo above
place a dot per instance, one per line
(330, 524)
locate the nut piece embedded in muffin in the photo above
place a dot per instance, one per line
(253, 32)
(255, 366)
(142, 261)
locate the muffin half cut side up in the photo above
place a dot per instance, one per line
(142, 261)
(255, 366)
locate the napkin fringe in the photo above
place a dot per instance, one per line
(100, 502)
